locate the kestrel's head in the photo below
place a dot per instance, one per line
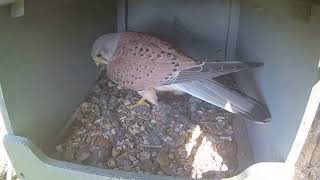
(104, 48)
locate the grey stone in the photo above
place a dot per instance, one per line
(115, 152)
(112, 163)
(163, 159)
(126, 102)
(144, 155)
(82, 155)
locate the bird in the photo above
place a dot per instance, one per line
(148, 65)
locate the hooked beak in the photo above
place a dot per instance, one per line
(100, 61)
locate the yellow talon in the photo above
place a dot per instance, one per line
(141, 102)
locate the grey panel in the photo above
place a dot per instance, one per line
(289, 47)
(198, 27)
(23, 154)
(45, 64)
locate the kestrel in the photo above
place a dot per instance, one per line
(147, 64)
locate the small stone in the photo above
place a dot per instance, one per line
(178, 128)
(106, 126)
(182, 153)
(126, 102)
(132, 158)
(82, 155)
(146, 142)
(168, 140)
(169, 170)
(147, 165)
(210, 111)
(95, 133)
(130, 118)
(200, 112)
(89, 139)
(228, 132)
(113, 132)
(103, 142)
(125, 164)
(84, 120)
(131, 131)
(221, 124)
(111, 163)
(77, 140)
(98, 121)
(226, 138)
(181, 172)
(171, 156)
(144, 155)
(154, 154)
(135, 163)
(80, 132)
(184, 134)
(136, 130)
(220, 118)
(115, 152)
(163, 159)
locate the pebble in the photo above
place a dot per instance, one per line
(113, 132)
(126, 102)
(163, 159)
(95, 133)
(200, 112)
(226, 138)
(228, 132)
(112, 163)
(171, 156)
(106, 126)
(154, 154)
(147, 165)
(219, 118)
(132, 158)
(150, 140)
(98, 121)
(103, 142)
(184, 134)
(115, 152)
(82, 155)
(144, 155)
(178, 127)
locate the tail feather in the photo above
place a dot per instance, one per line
(215, 93)
(208, 70)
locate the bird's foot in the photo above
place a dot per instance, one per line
(141, 102)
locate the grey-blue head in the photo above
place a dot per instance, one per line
(104, 47)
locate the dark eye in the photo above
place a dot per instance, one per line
(98, 54)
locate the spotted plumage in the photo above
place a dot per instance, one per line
(145, 63)
(142, 61)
